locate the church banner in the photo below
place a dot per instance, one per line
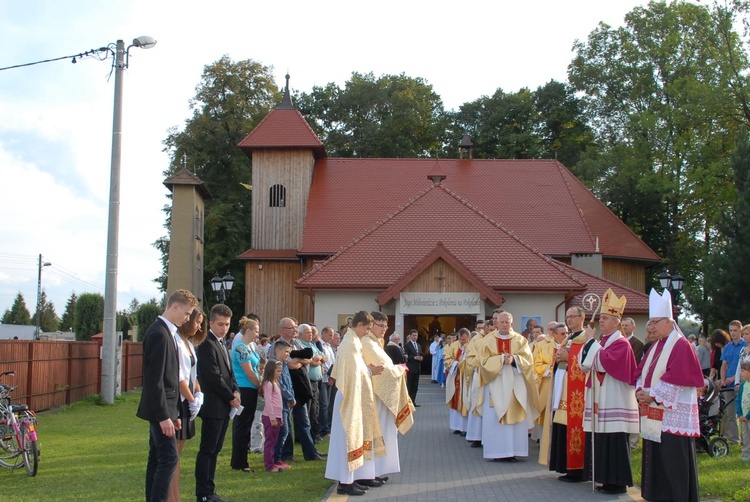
(440, 303)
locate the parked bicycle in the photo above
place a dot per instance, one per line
(18, 441)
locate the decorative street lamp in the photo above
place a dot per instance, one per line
(121, 57)
(672, 283)
(222, 286)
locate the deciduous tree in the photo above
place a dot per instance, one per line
(89, 316)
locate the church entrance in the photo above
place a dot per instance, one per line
(430, 325)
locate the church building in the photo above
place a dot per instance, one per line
(433, 243)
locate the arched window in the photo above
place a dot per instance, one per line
(277, 196)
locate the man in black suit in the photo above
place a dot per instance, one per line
(394, 350)
(414, 363)
(221, 394)
(160, 393)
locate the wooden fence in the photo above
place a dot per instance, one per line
(53, 373)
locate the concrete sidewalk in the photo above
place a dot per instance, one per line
(437, 465)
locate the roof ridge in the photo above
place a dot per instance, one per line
(367, 231)
(575, 202)
(510, 233)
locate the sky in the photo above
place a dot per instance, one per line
(56, 117)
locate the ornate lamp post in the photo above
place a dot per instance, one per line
(222, 286)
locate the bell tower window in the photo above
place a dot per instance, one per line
(277, 196)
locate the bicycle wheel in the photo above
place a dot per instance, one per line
(718, 447)
(9, 451)
(30, 450)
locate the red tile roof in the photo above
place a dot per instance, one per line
(539, 200)
(637, 302)
(283, 128)
(383, 254)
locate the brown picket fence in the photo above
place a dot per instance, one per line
(53, 373)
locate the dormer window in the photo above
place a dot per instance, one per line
(277, 196)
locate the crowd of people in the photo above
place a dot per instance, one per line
(193, 368)
(589, 396)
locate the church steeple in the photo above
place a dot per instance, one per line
(286, 102)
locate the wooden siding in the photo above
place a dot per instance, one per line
(53, 373)
(630, 274)
(271, 294)
(440, 278)
(280, 227)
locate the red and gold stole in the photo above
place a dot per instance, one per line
(456, 399)
(575, 395)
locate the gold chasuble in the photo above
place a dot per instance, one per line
(359, 416)
(474, 401)
(389, 386)
(512, 389)
(456, 381)
(544, 361)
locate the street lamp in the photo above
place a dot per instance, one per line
(672, 283)
(39, 297)
(121, 57)
(222, 286)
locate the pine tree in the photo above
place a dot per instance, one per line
(18, 313)
(49, 321)
(68, 319)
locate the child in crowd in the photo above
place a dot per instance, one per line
(742, 404)
(272, 412)
(282, 350)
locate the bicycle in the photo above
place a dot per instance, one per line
(18, 440)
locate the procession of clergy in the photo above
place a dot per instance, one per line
(584, 390)
(587, 393)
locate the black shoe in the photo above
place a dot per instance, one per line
(612, 489)
(417, 405)
(570, 479)
(383, 479)
(374, 483)
(463, 434)
(456, 432)
(351, 489)
(506, 459)
(316, 457)
(361, 487)
(216, 498)
(476, 444)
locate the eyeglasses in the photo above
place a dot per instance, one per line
(289, 327)
(571, 316)
(384, 326)
(653, 322)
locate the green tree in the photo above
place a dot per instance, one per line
(660, 94)
(146, 315)
(89, 317)
(231, 98)
(49, 321)
(18, 313)
(387, 116)
(68, 319)
(725, 279)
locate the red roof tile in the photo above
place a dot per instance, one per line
(383, 254)
(539, 200)
(282, 128)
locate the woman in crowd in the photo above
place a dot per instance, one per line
(246, 364)
(719, 338)
(190, 334)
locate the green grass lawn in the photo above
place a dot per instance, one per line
(94, 452)
(725, 479)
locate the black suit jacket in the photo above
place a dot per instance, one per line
(395, 353)
(411, 363)
(637, 347)
(161, 375)
(216, 378)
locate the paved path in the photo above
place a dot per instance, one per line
(437, 465)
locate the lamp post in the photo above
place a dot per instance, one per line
(222, 286)
(42, 264)
(109, 344)
(673, 283)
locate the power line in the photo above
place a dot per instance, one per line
(95, 53)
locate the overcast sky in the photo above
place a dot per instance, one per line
(56, 118)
